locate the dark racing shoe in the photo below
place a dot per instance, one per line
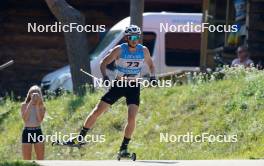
(124, 153)
(73, 142)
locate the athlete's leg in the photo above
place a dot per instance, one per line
(108, 99)
(131, 120)
(100, 108)
(130, 126)
(132, 100)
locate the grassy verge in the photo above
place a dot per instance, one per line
(233, 106)
(17, 163)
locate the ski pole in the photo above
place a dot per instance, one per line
(89, 74)
(5, 65)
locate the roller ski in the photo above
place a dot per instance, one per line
(123, 154)
(71, 143)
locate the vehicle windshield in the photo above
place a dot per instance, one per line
(109, 37)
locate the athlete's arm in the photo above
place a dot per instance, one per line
(149, 61)
(109, 58)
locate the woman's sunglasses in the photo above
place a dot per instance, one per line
(133, 37)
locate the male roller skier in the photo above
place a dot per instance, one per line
(129, 58)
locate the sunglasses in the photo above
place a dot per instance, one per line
(134, 37)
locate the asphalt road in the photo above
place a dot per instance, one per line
(153, 163)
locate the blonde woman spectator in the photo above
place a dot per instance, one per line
(33, 111)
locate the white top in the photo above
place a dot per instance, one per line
(32, 120)
(236, 62)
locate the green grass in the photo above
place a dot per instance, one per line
(233, 106)
(17, 163)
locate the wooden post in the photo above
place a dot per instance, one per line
(204, 37)
(76, 43)
(136, 13)
(227, 20)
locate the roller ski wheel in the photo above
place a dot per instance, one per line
(124, 154)
(133, 157)
(118, 157)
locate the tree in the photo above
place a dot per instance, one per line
(76, 43)
(136, 12)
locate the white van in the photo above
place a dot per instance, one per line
(172, 51)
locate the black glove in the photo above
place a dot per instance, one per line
(153, 80)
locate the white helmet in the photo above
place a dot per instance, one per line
(132, 29)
